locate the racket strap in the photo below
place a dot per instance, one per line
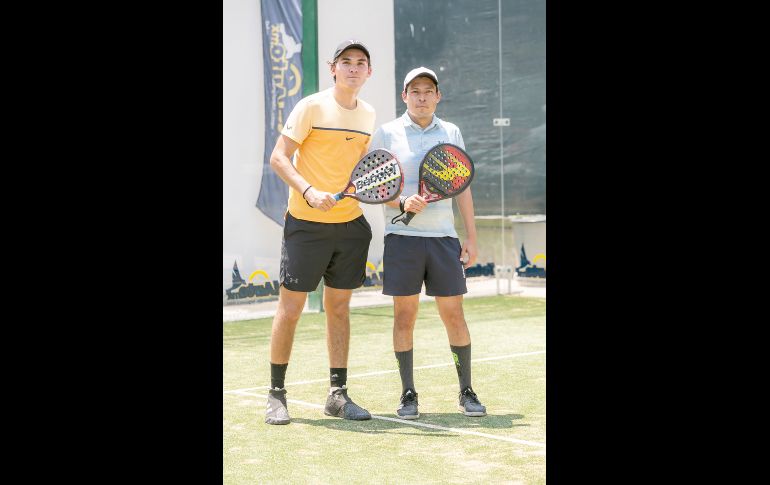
(398, 218)
(401, 202)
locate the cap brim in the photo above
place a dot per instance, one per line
(422, 74)
(354, 46)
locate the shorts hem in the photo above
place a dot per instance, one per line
(392, 293)
(293, 289)
(343, 288)
(456, 294)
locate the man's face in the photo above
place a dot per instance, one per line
(352, 68)
(421, 97)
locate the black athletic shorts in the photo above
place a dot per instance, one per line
(410, 260)
(336, 251)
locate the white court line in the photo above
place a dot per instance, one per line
(377, 373)
(415, 423)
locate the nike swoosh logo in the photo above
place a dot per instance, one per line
(348, 139)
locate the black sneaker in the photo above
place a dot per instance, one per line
(408, 407)
(470, 405)
(340, 405)
(276, 407)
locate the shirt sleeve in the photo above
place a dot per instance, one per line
(378, 140)
(299, 123)
(459, 139)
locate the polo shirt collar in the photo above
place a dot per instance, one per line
(408, 121)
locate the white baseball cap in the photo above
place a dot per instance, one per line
(420, 71)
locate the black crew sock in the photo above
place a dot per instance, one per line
(462, 358)
(277, 375)
(405, 368)
(338, 376)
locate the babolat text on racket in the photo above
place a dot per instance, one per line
(377, 178)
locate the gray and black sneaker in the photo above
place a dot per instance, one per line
(340, 405)
(408, 407)
(470, 405)
(276, 407)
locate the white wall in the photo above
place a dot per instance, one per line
(530, 232)
(248, 236)
(372, 24)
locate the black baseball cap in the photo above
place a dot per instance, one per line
(351, 44)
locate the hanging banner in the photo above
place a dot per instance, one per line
(281, 49)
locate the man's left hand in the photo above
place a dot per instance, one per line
(468, 253)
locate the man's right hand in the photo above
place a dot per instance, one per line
(322, 201)
(415, 203)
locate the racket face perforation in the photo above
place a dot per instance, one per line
(377, 178)
(445, 171)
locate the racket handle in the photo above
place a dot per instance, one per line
(338, 196)
(404, 217)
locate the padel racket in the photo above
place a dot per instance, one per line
(445, 171)
(377, 178)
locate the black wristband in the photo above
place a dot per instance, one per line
(303, 195)
(401, 201)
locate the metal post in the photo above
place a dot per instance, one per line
(500, 94)
(310, 86)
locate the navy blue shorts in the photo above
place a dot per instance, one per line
(408, 261)
(336, 251)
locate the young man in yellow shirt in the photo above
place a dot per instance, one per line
(326, 134)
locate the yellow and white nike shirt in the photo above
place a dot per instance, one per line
(331, 139)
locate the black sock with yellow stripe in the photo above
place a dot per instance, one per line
(462, 358)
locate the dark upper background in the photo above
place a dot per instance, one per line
(458, 39)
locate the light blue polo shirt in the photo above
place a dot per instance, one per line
(409, 142)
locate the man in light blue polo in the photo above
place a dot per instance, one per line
(428, 249)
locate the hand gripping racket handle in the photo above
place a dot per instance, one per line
(404, 217)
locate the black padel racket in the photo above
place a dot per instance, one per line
(377, 178)
(445, 171)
